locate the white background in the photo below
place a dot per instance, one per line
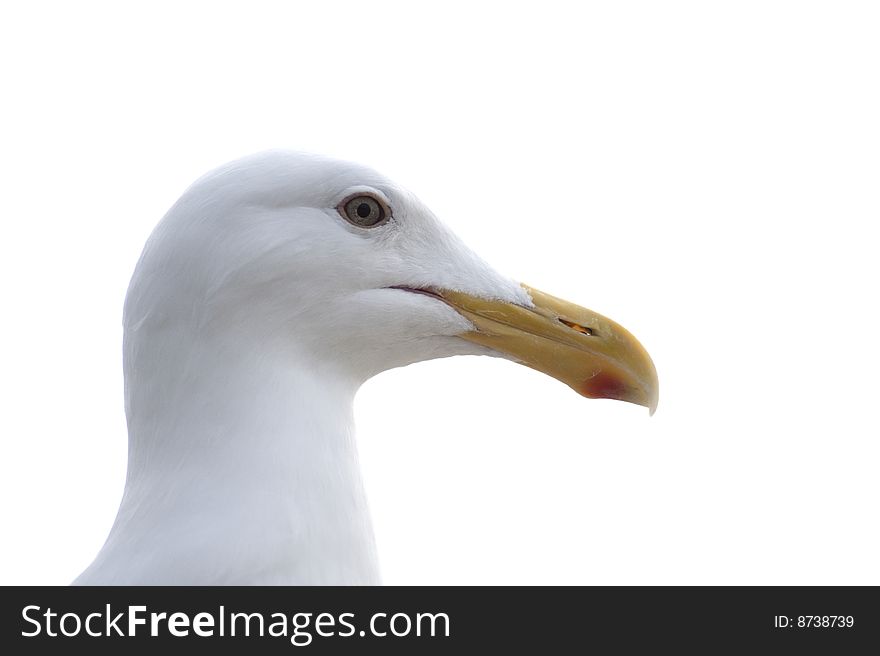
(704, 173)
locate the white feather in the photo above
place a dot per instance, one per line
(253, 316)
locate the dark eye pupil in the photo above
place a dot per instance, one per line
(363, 210)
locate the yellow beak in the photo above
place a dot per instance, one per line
(592, 354)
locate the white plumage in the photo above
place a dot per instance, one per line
(253, 316)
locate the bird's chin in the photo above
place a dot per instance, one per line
(425, 349)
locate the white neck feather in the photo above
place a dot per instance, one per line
(243, 469)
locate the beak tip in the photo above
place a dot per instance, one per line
(653, 399)
(650, 401)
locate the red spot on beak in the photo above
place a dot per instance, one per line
(604, 386)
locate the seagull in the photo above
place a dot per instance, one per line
(271, 290)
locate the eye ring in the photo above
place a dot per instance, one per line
(364, 210)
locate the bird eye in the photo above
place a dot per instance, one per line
(364, 211)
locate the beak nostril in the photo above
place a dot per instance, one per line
(584, 330)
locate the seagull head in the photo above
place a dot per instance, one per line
(333, 266)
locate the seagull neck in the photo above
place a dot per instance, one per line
(244, 473)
